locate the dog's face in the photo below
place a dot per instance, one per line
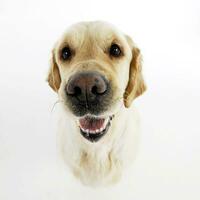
(96, 70)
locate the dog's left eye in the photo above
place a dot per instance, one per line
(66, 53)
(115, 50)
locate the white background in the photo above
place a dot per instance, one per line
(168, 163)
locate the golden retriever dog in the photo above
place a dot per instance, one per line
(96, 71)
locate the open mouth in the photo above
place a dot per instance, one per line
(94, 128)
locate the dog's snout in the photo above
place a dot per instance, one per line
(86, 86)
(88, 92)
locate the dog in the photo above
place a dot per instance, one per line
(96, 70)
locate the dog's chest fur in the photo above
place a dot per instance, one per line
(99, 163)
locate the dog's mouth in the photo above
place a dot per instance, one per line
(94, 128)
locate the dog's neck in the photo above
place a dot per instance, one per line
(105, 158)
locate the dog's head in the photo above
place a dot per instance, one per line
(95, 69)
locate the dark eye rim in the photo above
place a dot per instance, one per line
(120, 49)
(70, 53)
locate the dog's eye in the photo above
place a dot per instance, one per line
(66, 53)
(115, 50)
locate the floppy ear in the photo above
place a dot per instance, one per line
(136, 85)
(53, 78)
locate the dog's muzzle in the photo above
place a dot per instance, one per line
(89, 96)
(88, 93)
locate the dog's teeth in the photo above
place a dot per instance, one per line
(87, 133)
(92, 131)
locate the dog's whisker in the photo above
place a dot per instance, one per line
(58, 101)
(117, 99)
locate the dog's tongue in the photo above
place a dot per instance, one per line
(91, 124)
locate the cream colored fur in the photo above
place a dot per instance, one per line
(99, 163)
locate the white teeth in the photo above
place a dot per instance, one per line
(87, 132)
(82, 129)
(92, 131)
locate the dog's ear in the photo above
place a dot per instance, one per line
(136, 85)
(53, 78)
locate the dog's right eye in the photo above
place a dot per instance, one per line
(115, 50)
(66, 53)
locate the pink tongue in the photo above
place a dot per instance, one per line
(91, 123)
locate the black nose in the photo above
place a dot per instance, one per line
(87, 86)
